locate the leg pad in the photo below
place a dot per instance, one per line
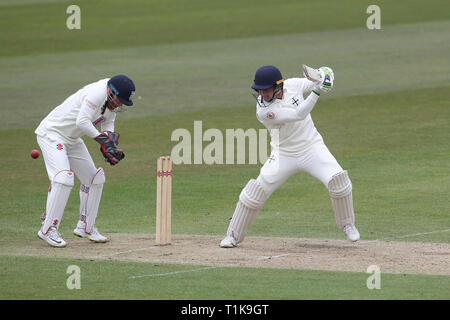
(340, 188)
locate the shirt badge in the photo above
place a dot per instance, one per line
(98, 121)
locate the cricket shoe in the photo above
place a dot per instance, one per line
(52, 237)
(351, 232)
(93, 236)
(228, 242)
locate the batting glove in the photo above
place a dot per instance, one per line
(327, 76)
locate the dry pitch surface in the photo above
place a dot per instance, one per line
(265, 252)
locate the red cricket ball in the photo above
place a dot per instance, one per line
(35, 154)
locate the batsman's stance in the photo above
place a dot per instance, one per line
(296, 145)
(65, 154)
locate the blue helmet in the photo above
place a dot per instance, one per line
(123, 87)
(267, 77)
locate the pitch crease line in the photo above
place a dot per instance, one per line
(413, 235)
(171, 273)
(273, 257)
(129, 251)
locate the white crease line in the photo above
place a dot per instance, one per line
(129, 251)
(136, 250)
(171, 273)
(273, 257)
(413, 235)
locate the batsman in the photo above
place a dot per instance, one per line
(296, 146)
(66, 155)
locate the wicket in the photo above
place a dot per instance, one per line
(164, 201)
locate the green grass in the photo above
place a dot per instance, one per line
(386, 122)
(100, 280)
(209, 75)
(41, 27)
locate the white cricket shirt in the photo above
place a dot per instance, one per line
(288, 120)
(79, 115)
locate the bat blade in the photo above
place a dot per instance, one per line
(311, 73)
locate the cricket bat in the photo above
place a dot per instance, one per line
(311, 73)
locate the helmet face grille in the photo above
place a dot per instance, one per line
(263, 103)
(123, 88)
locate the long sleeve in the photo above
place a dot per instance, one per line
(108, 125)
(85, 117)
(284, 115)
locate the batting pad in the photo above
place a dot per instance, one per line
(84, 192)
(93, 198)
(251, 199)
(57, 199)
(340, 188)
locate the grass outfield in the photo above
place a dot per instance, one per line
(386, 121)
(39, 27)
(209, 75)
(119, 280)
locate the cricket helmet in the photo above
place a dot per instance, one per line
(267, 77)
(123, 87)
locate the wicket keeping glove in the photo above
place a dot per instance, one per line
(327, 76)
(109, 147)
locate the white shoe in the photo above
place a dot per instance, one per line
(52, 237)
(351, 232)
(93, 236)
(228, 242)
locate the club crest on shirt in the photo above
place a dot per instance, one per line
(270, 115)
(59, 146)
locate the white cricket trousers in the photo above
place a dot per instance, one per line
(59, 156)
(317, 161)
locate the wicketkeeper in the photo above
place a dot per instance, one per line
(65, 154)
(296, 145)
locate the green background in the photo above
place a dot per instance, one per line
(386, 122)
